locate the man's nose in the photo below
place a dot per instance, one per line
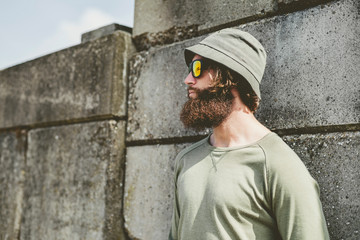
(190, 80)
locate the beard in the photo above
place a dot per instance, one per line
(208, 110)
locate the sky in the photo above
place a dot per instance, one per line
(33, 28)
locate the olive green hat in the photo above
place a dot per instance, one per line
(235, 49)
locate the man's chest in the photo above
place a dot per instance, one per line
(223, 181)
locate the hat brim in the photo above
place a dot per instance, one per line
(221, 58)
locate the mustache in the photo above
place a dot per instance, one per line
(193, 89)
(207, 92)
(197, 91)
(210, 93)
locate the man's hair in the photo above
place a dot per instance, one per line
(225, 79)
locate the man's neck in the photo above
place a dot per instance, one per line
(239, 129)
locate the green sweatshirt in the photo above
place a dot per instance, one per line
(260, 191)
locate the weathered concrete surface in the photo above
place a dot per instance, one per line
(311, 78)
(302, 3)
(159, 16)
(104, 31)
(149, 190)
(12, 162)
(332, 159)
(83, 81)
(163, 22)
(312, 74)
(74, 177)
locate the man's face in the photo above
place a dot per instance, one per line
(207, 107)
(200, 83)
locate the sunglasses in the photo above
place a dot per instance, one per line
(196, 67)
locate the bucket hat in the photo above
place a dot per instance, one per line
(235, 49)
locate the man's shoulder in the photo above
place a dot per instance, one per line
(282, 160)
(273, 145)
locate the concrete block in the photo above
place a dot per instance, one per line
(85, 81)
(159, 17)
(311, 78)
(313, 67)
(104, 31)
(149, 190)
(12, 162)
(333, 160)
(74, 176)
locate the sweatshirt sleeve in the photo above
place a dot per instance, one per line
(175, 219)
(173, 235)
(294, 197)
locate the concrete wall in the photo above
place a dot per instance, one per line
(62, 141)
(74, 175)
(82, 82)
(88, 135)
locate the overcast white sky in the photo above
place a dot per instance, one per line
(33, 28)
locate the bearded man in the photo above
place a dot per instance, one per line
(242, 181)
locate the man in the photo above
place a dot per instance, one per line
(242, 181)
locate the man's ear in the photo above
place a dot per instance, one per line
(238, 103)
(235, 92)
(212, 75)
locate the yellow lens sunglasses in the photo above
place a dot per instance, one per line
(196, 67)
